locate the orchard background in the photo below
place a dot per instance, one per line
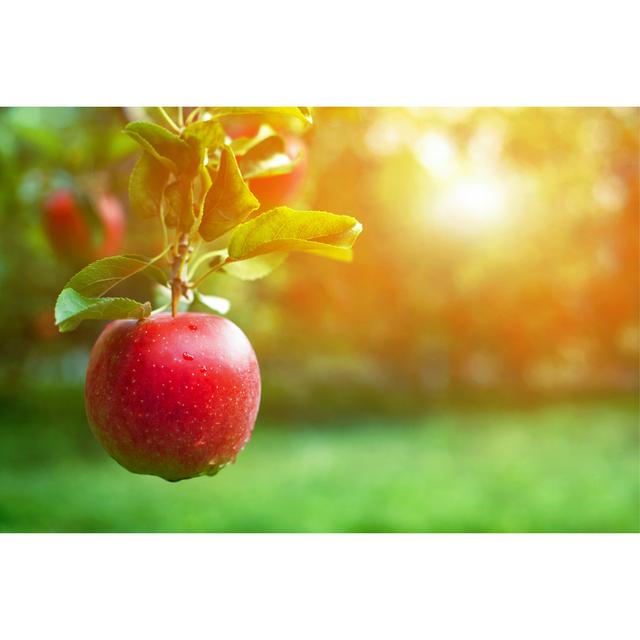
(474, 369)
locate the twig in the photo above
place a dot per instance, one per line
(177, 283)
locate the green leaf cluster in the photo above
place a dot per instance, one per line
(195, 180)
(83, 296)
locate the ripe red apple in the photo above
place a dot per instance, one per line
(274, 191)
(113, 219)
(242, 127)
(173, 397)
(68, 229)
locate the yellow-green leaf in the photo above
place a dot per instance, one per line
(207, 133)
(255, 268)
(101, 276)
(178, 197)
(168, 148)
(72, 308)
(229, 200)
(300, 113)
(284, 229)
(146, 185)
(240, 146)
(267, 158)
(205, 302)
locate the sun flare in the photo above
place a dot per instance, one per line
(472, 203)
(437, 154)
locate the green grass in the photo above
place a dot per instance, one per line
(571, 467)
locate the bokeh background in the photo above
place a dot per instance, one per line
(474, 369)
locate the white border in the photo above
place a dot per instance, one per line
(320, 586)
(461, 52)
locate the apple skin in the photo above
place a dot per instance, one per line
(274, 191)
(44, 325)
(173, 397)
(113, 219)
(68, 230)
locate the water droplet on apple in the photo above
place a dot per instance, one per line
(187, 356)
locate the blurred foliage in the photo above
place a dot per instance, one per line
(500, 254)
(43, 149)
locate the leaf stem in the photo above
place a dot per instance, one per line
(159, 310)
(203, 258)
(165, 232)
(167, 118)
(160, 255)
(206, 274)
(181, 117)
(192, 116)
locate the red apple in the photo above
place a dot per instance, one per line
(242, 127)
(274, 191)
(68, 229)
(44, 325)
(113, 220)
(173, 397)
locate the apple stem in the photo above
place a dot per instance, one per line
(178, 285)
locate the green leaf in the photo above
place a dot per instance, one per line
(178, 197)
(240, 146)
(213, 164)
(210, 303)
(229, 200)
(301, 113)
(209, 134)
(283, 229)
(217, 258)
(203, 135)
(166, 147)
(255, 268)
(72, 308)
(160, 295)
(210, 258)
(146, 185)
(267, 158)
(101, 276)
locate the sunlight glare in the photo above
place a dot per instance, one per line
(472, 203)
(437, 154)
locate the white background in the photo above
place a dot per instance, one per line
(320, 586)
(326, 52)
(321, 53)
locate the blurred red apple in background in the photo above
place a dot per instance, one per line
(77, 237)
(44, 325)
(274, 191)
